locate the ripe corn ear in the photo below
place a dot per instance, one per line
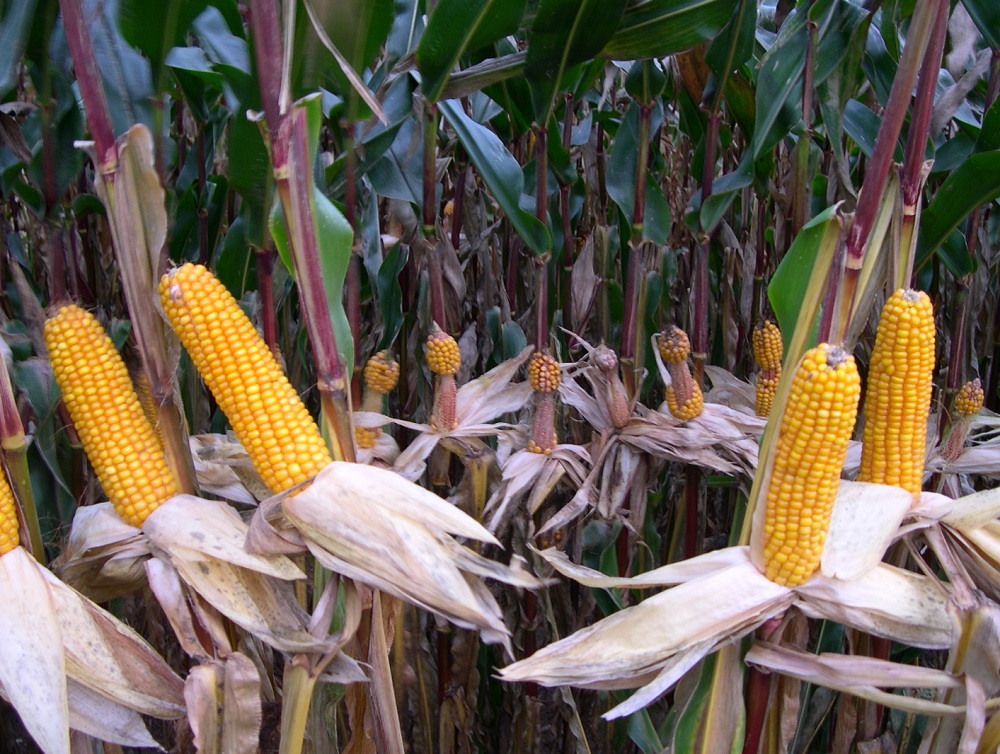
(381, 373)
(969, 400)
(898, 396)
(768, 351)
(9, 537)
(265, 412)
(544, 376)
(808, 458)
(104, 407)
(443, 359)
(684, 397)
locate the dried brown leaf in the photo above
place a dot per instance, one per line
(241, 707)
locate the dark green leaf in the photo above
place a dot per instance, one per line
(15, 27)
(622, 163)
(501, 173)
(658, 28)
(459, 26)
(986, 14)
(398, 174)
(236, 266)
(734, 44)
(643, 733)
(974, 182)
(989, 135)
(407, 28)
(390, 295)
(779, 85)
(250, 172)
(565, 32)
(645, 81)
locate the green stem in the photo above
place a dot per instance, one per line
(297, 692)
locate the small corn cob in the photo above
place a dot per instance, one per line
(899, 393)
(9, 537)
(808, 458)
(768, 351)
(544, 376)
(619, 407)
(104, 407)
(683, 394)
(444, 360)
(381, 375)
(969, 400)
(265, 412)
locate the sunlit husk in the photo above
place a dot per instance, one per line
(373, 526)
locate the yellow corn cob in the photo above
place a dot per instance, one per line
(970, 397)
(381, 373)
(100, 398)
(265, 412)
(899, 393)
(674, 345)
(766, 388)
(544, 374)
(9, 537)
(366, 437)
(143, 390)
(808, 458)
(443, 356)
(768, 349)
(689, 406)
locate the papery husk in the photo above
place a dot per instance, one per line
(103, 557)
(373, 526)
(99, 717)
(224, 705)
(223, 468)
(859, 676)
(631, 647)
(886, 601)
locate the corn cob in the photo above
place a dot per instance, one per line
(381, 374)
(145, 393)
(265, 412)
(899, 393)
(768, 351)
(969, 400)
(808, 457)
(9, 537)
(104, 407)
(544, 376)
(683, 394)
(444, 360)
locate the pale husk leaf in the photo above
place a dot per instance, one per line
(975, 510)
(673, 670)
(668, 575)
(32, 666)
(264, 606)
(487, 397)
(201, 694)
(191, 528)
(241, 706)
(165, 584)
(98, 716)
(857, 676)
(885, 601)
(107, 656)
(216, 459)
(640, 640)
(865, 520)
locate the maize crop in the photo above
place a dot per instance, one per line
(544, 374)
(674, 345)
(9, 537)
(265, 412)
(443, 356)
(768, 351)
(969, 400)
(684, 397)
(102, 402)
(381, 375)
(898, 395)
(811, 447)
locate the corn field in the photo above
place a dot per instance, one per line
(500, 376)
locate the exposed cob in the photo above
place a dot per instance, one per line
(544, 376)
(808, 458)
(443, 359)
(9, 537)
(899, 393)
(968, 403)
(265, 412)
(683, 394)
(969, 400)
(381, 374)
(768, 351)
(104, 407)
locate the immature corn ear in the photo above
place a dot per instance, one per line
(969, 400)
(381, 375)
(265, 412)
(444, 360)
(104, 407)
(683, 394)
(9, 537)
(544, 374)
(808, 458)
(968, 403)
(898, 396)
(768, 350)
(616, 398)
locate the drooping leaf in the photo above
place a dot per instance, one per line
(500, 171)
(564, 33)
(659, 28)
(390, 295)
(986, 14)
(459, 26)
